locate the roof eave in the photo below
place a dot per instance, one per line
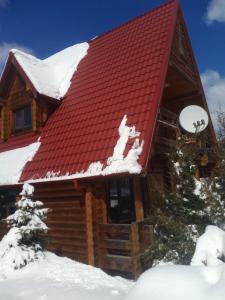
(153, 115)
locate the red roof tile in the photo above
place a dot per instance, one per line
(122, 74)
(18, 141)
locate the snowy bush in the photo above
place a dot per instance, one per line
(182, 216)
(23, 243)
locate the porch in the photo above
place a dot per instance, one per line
(124, 248)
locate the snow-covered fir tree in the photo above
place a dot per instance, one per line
(24, 242)
(213, 189)
(183, 216)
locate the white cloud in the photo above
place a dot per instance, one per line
(216, 11)
(214, 86)
(3, 3)
(6, 47)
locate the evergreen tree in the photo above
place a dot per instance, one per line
(28, 218)
(24, 242)
(213, 189)
(182, 218)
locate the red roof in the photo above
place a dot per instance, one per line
(122, 74)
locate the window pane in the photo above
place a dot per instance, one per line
(126, 201)
(27, 116)
(114, 201)
(125, 188)
(19, 119)
(23, 118)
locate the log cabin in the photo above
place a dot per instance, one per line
(91, 126)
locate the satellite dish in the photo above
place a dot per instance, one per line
(193, 119)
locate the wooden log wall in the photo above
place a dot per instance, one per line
(99, 217)
(67, 234)
(181, 53)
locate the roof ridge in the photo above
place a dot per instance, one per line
(133, 19)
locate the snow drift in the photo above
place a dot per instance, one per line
(204, 281)
(57, 278)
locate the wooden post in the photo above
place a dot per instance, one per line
(89, 227)
(135, 250)
(139, 211)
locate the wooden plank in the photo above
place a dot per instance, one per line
(65, 190)
(79, 243)
(135, 250)
(65, 224)
(68, 234)
(59, 194)
(70, 210)
(64, 204)
(115, 228)
(53, 186)
(89, 227)
(117, 244)
(117, 263)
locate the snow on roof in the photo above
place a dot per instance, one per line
(12, 163)
(51, 77)
(117, 163)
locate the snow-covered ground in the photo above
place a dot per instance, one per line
(58, 278)
(180, 283)
(203, 280)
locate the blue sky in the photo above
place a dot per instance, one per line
(44, 27)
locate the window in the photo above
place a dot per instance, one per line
(23, 118)
(121, 201)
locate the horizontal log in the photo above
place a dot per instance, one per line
(116, 263)
(117, 244)
(78, 243)
(54, 224)
(115, 228)
(56, 187)
(64, 204)
(67, 248)
(60, 194)
(68, 232)
(74, 209)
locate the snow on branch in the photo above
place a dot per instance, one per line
(23, 243)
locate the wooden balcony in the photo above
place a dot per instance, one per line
(123, 247)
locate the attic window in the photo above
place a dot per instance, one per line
(23, 118)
